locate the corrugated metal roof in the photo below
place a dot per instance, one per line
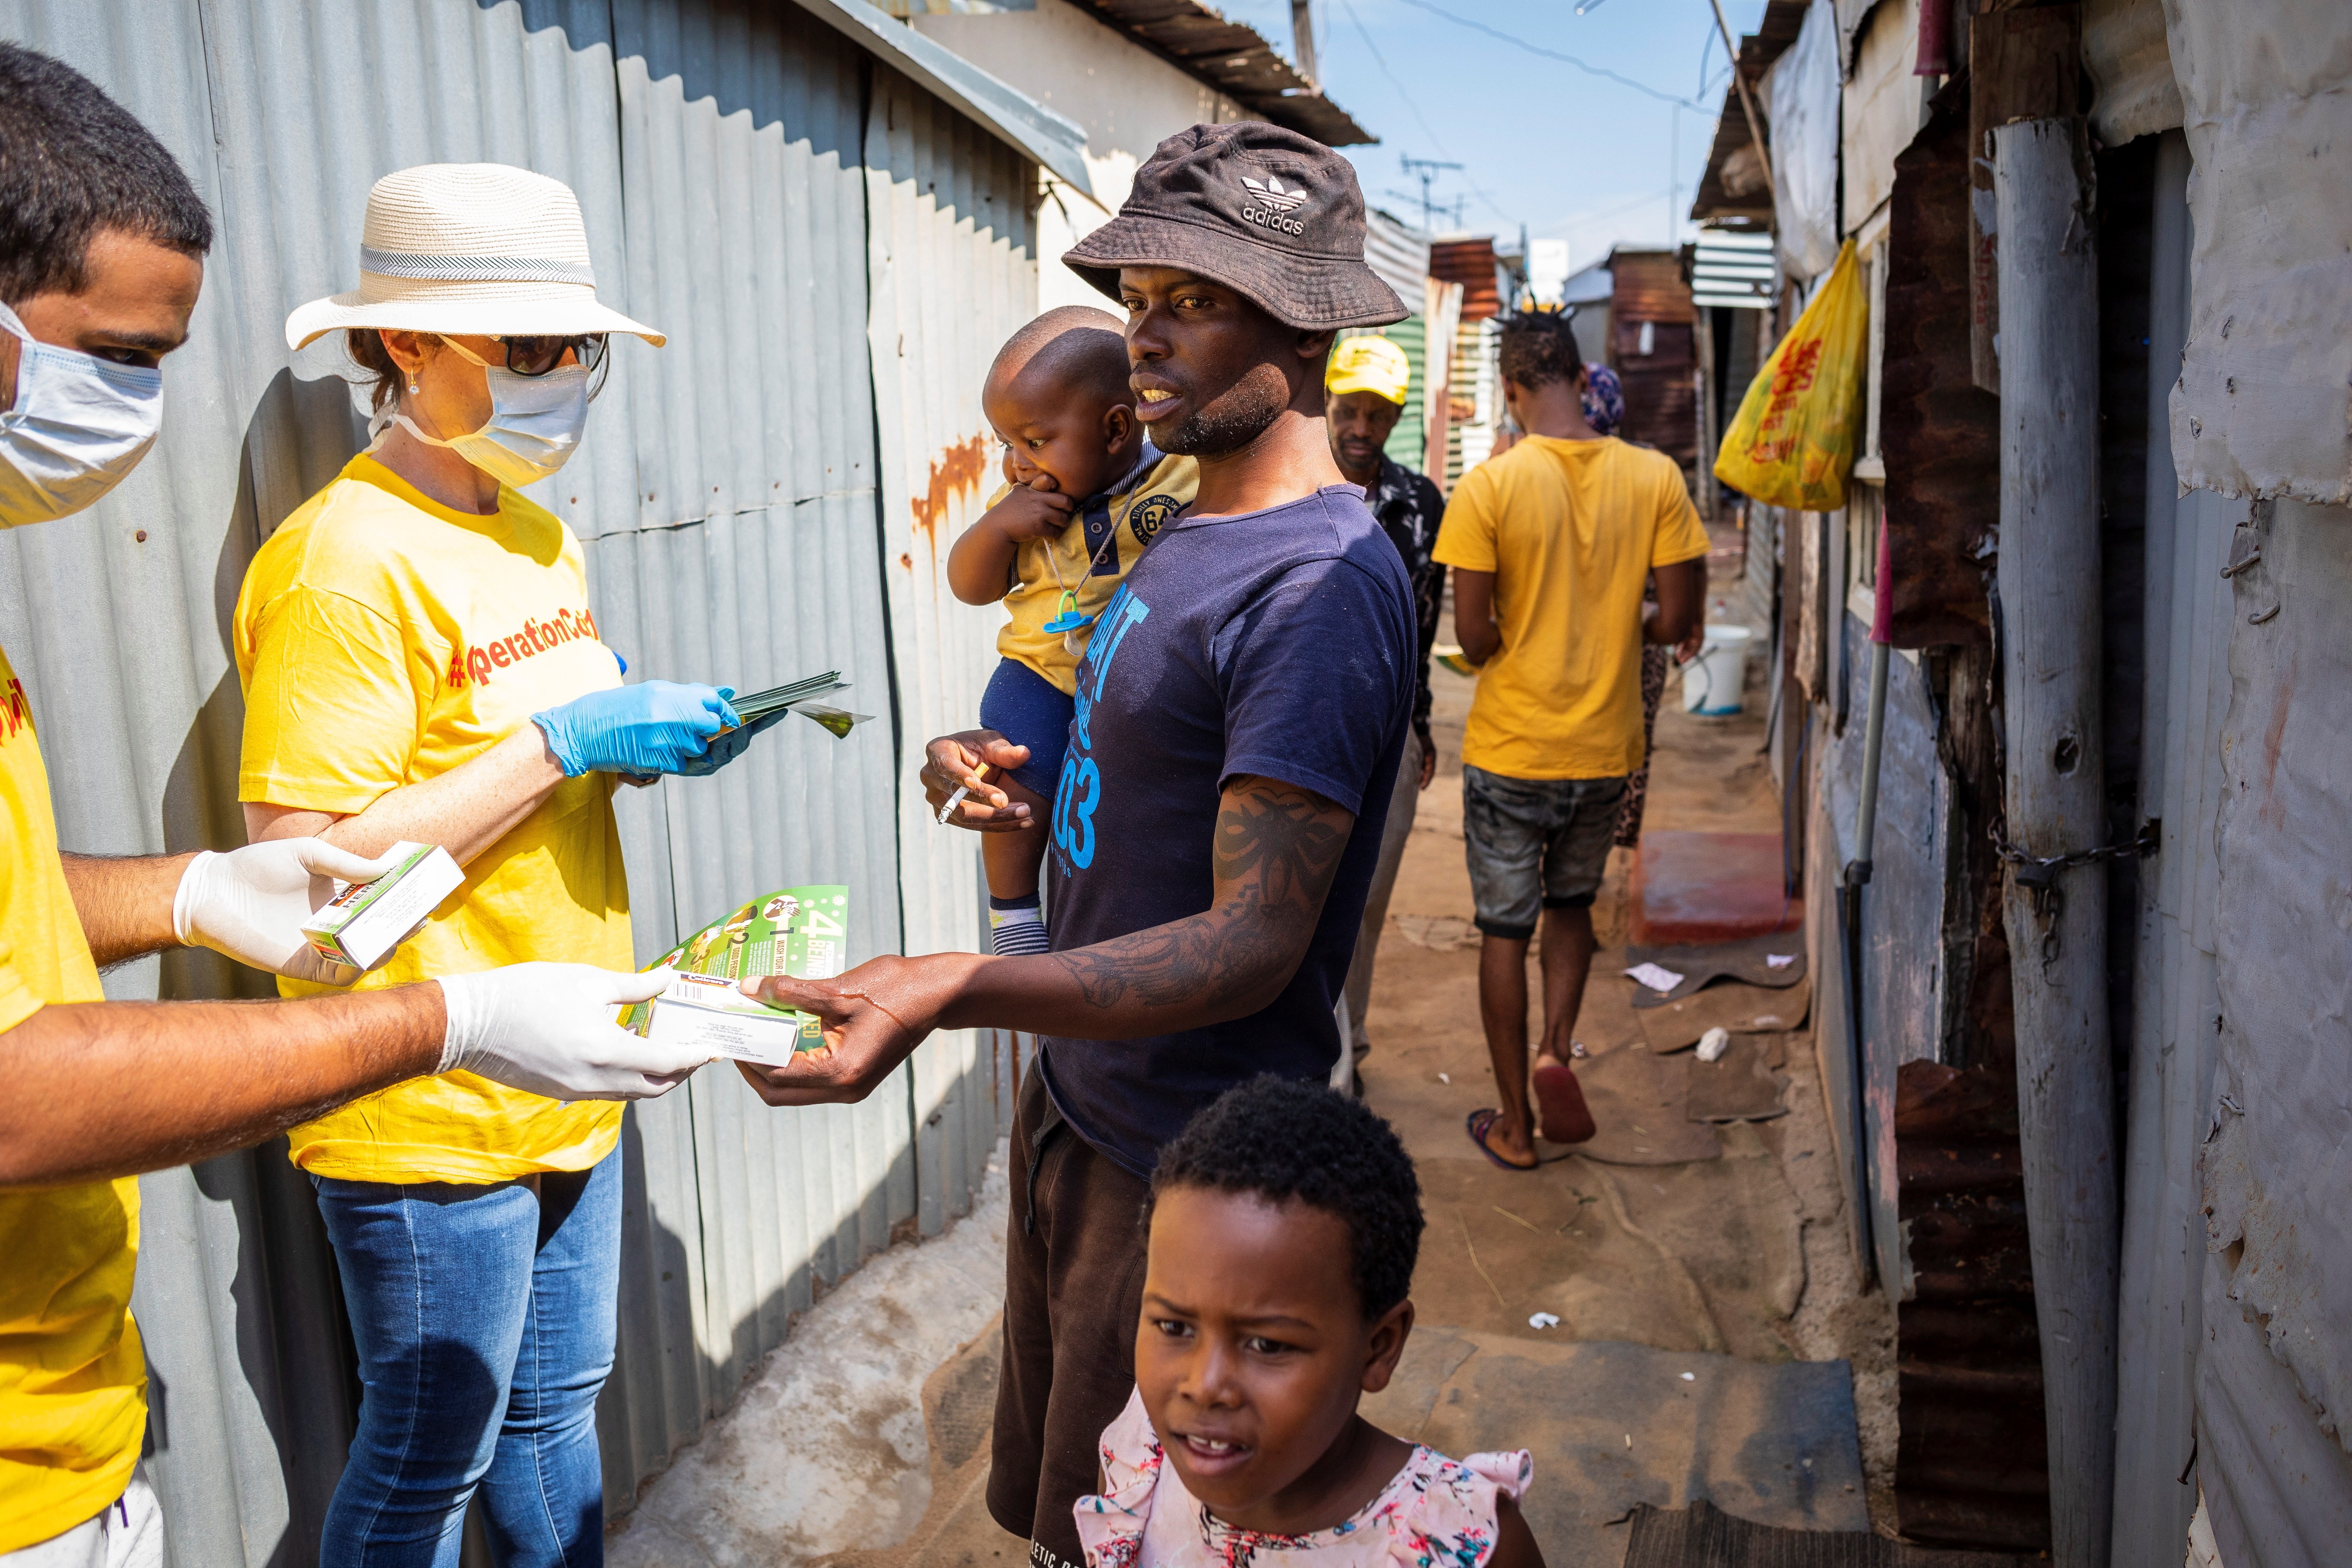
(1237, 60)
(1716, 198)
(728, 495)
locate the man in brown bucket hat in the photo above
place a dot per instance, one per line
(1241, 709)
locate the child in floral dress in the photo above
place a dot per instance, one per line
(1285, 1221)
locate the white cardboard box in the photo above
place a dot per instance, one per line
(366, 920)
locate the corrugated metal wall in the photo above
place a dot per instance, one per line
(948, 247)
(728, 155)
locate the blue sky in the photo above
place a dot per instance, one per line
(1571, 155)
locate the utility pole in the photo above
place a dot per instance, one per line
(1427, 169)
(1302, 42)
(2056, 912)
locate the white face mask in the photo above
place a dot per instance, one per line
(534, 425)
(79, 424)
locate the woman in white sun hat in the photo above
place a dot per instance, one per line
(420, 662)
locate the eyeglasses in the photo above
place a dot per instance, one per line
(538, 356)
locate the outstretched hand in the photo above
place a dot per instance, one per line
(874, 1017)
(952, 762)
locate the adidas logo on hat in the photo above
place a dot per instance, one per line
(1275, 204)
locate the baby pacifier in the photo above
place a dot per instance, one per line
(1069, 624)
(1069, 620)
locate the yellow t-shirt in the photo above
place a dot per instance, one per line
(383, 640)
(1570, 529)
(73, 1382)
(1045, 567)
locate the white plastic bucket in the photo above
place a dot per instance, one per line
(1711, 682)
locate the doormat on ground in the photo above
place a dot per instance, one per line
(1748, 960)
(1615, 1425)
(1640, 1103)
(1742, 1010)
(1738, 1086)
(1702, 1536)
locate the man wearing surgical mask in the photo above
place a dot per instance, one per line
(101, 258)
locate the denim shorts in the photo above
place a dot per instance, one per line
(1030, 711)
(1534, 843)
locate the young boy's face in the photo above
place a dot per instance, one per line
(1067, 436)
(1253, 1350)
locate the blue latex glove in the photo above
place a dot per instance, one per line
(724, 749)
(653, 727)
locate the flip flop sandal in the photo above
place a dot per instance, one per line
(1481, 1122)
(1562, 1116)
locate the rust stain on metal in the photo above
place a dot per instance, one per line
(959, 468)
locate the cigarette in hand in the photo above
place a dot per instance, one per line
(961, 790)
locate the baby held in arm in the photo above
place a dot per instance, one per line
(1084, 492)
(1285, 1221)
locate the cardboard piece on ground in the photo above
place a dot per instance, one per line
(1774, 1442)
(1742, 1010)
(1748, 960)
(1639, 1102)
(1738, 1085)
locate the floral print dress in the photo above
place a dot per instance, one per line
(1435, 1513)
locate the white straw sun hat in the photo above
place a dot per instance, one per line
(469, 248)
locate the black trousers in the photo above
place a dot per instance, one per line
(1073, 1292)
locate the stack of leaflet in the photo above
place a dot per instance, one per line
(800, 697)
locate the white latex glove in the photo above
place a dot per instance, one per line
(548, 1028)
(250, 903)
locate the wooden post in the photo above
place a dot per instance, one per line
(2056, 799)
(2022, 65)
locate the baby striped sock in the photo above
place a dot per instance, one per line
(1016, 927)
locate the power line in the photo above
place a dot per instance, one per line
(1583, 66)
(1435, 140)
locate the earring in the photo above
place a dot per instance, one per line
(412, 384)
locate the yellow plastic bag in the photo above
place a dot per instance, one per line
(1793, 442)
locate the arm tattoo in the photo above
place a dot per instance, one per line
(1275, 853)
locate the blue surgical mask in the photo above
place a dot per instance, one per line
(78, 426)
(534, 426)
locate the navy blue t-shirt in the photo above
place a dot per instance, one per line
(1276, 643)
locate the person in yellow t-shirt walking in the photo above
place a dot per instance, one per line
(1550, 544)
(420, 662)
(103, 242)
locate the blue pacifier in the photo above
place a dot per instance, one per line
(1069, 620)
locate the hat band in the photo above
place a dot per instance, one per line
(474, 269)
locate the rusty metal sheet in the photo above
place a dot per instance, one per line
(1971, 1464)
(1649, 286)
(1470, 263)
(1938, 433)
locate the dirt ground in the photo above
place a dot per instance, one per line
(1749, 1253)
(1691, 1274)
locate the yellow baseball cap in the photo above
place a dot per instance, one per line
(1369, 365)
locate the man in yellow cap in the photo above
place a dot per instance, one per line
(1364, 392)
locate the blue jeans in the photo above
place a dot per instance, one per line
(483, 1319)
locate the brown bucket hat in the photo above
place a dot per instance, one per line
(1264, 210)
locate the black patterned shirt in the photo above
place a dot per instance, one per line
(1410, 508)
